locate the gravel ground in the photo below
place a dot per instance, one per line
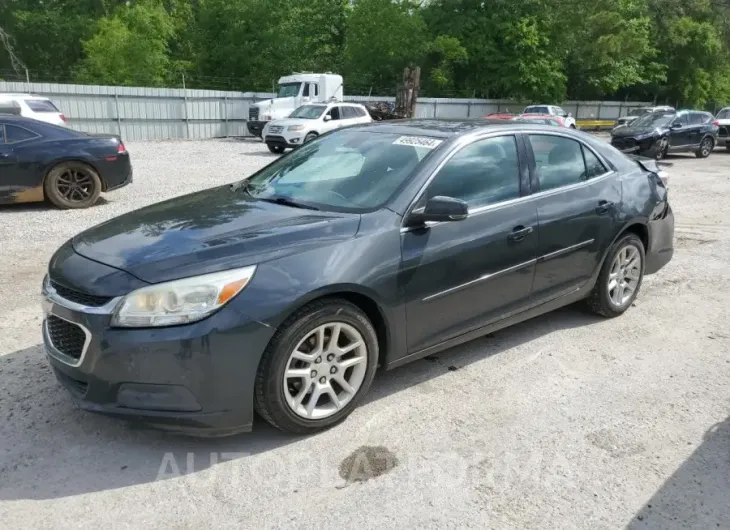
(565, 421)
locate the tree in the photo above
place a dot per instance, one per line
(129, 47)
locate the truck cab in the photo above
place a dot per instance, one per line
(294, 91)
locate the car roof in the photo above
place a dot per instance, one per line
(440, 128)
(21, 96)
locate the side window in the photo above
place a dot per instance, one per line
(558, 161)
(305, 91)
(485, 172)
(15, 134)
(696, 118)
(594, 167)
(361, 112)
(348, 113)
(680, 120)
(314, 89)
(334, 112)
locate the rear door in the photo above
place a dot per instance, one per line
(462, 275)
(696, 127)
(577, 199)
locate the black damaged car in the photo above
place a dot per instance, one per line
(659, 133)
(367, 247)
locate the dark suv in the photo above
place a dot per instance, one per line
(659, 133)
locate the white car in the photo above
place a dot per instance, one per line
(552, 110)
(723, 120)
(309, 121)
(29, 106)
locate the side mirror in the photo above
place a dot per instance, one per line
(676, 126)
(440, 209)
(327, 117)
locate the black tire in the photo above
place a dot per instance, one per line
(269, 396)
(572, 126)
(310, 136)
(706, 147)
(276, 149)
(599, 301)
(72, 185)
(727, 146)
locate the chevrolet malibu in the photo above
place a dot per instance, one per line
(370, 246)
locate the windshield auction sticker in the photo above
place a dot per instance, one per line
(418, 141)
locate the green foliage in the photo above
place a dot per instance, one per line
(534, 50)
(130, 47)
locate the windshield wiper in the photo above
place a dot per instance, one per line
(286, 201)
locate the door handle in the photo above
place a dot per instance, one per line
(519, 233)
(603, 207)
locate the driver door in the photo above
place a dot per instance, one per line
(462, 275)
(335, 118)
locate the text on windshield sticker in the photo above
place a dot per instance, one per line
(418, 141)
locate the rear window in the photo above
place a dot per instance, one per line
(41, 105)
(537, 110)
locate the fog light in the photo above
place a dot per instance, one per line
(295, 140)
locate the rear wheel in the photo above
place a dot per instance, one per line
(72, 185)
(620, 279)
(317, 367)
(706, 147)
(277, 149)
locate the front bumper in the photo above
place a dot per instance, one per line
(256, 127)
(285, 140)
(196, 379)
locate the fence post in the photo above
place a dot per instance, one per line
(599, 113)
(468, 109)
(435, 108)
(185, 104)
(119, 120)
(225, 115)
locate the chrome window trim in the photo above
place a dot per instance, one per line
(482, 278)
(58, 354)
(497, 205)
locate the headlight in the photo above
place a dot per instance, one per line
(181, 301)
(295, 128)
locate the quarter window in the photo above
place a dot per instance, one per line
(14, 134)
(348, 113)
(560, 161)
(485, 172)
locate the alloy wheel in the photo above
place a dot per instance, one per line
(625, 275)
(705, 148)
(325, 370)
(75, 185)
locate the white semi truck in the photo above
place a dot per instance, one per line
(294, 91)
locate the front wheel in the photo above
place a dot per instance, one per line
(276, 149)
(705, 148)
(620, 278)
(72, 185)
(311, 136)
(317, 367)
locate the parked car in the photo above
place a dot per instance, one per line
(40, 161)
(371, 246)
(656, 134)
(309, 121)
(30, 106)
(640, 111)
(723, 122)
(555, 121)
(552, 110)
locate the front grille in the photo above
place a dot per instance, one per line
(623, 143)
(74, 386)
(723, 131)
(276, 129)
(78, 297)
(66, 337)
(253, 113)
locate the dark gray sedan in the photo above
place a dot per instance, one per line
(370, 246)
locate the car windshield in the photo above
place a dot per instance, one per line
(308, 112)
(654, 119)
(347, 171)
(724, 114)
(288, 90)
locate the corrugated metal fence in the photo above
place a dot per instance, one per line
(164, 113)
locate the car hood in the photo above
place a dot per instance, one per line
(292, 121)
(209, 231)
(631, 131)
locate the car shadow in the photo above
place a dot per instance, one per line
(697, 495)
(42, 206)
(52, 449)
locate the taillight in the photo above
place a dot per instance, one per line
(121, 149)
(63, 118)
(716, 123)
